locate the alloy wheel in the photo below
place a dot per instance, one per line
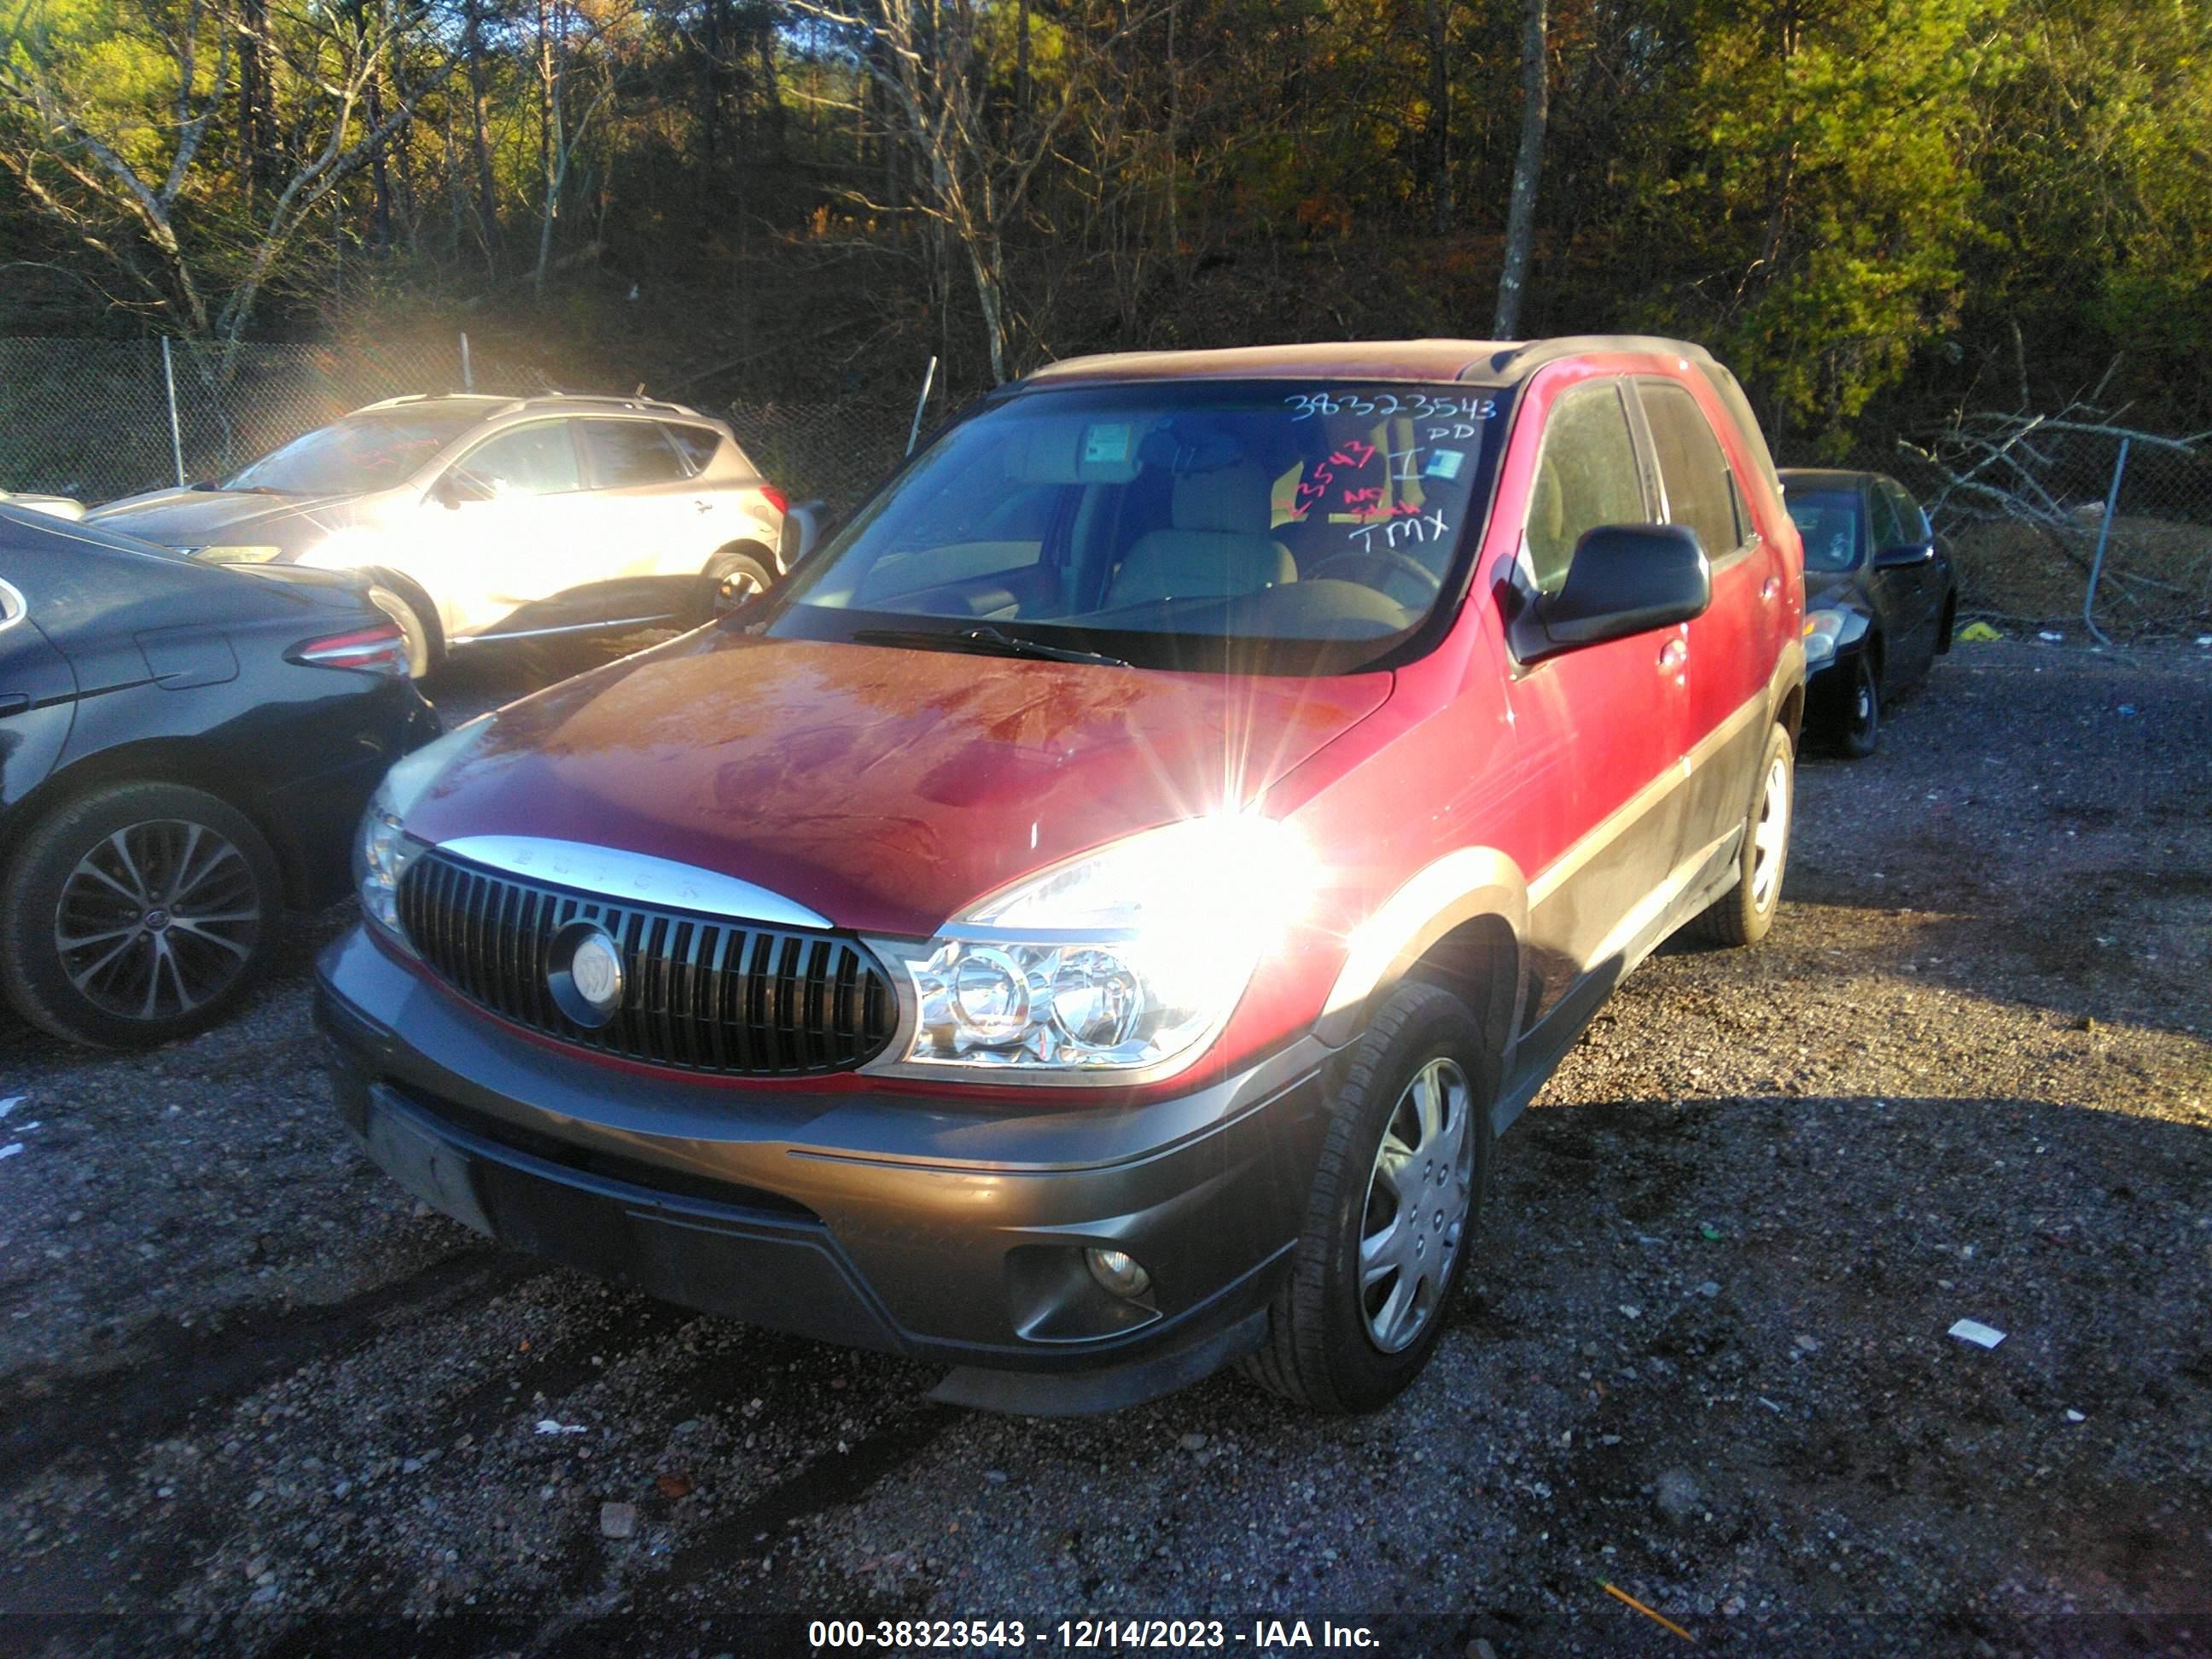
(1769, 836)
(157, 919)
(1419, 1192)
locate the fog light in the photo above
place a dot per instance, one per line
(1118, 1272)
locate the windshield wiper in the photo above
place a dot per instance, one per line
(985, 641)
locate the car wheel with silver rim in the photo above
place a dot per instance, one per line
(730, 579)
(1744, 913)
(136, 913)
(1397, 1194)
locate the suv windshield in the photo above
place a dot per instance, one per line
(1281, 527)
(1827, 521)
(375, 449)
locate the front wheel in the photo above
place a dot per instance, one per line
(1744, 913)
(1859, 732)
(136, 913)
(1396, 1197)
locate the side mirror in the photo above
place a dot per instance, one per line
(1628, 579)
(802, 531)
(1905, 556)
(454, 487)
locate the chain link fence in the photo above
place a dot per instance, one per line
(2073, 522)
(2046, 517)
(835, 453)
(101, 418)
(97, 419)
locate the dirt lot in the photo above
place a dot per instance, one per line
(251, 1398)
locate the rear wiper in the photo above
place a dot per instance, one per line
(985, 641)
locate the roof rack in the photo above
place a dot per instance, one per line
(430, 397)
(603, 400)
(1525, 357)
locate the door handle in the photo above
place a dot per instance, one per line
(704, 507)
(1673, 654)
(1770, 589)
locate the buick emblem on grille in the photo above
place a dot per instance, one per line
(584, 971)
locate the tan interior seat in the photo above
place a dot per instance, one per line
(1219, 546)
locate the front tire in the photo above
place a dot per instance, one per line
(1396, 1196)
(1744, 915)
(1858, 730)
(137, 913)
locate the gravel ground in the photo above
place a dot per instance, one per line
(252, 1398)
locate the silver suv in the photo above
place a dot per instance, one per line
(497, 519)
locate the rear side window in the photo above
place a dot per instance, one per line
(1699, 491)
(1885, 528)
(538, 459)
(1586, 477)
(1910, 518)
(696, 443)
(624, 453)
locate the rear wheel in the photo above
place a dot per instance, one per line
(730, 577)
(136, 913)
(1744, 913)
(1858, 734)
(1396, 1196)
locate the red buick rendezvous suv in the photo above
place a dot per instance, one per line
(1093, 920)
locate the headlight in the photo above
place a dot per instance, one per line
(381, 853)
(240, 555)
(382, 848)
(1827, 632)
(1126, 960)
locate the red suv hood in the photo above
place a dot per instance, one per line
(886, 789)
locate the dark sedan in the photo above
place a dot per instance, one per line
(183, 751)
(1881, 600)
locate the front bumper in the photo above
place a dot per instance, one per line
(948, 1230)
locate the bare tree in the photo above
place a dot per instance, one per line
(976, 158)
(565, 57)
(111, 189)
(1527, 166)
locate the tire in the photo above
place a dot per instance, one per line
(727, 566)
(1858, 727)
(1742, 915)
(1949, 624)
(1330, 1347)
(142, 972)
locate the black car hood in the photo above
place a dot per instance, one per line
(204, 518)
(1833, 588)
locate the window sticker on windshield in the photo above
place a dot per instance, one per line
(1444, 463)
(1106, 444)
